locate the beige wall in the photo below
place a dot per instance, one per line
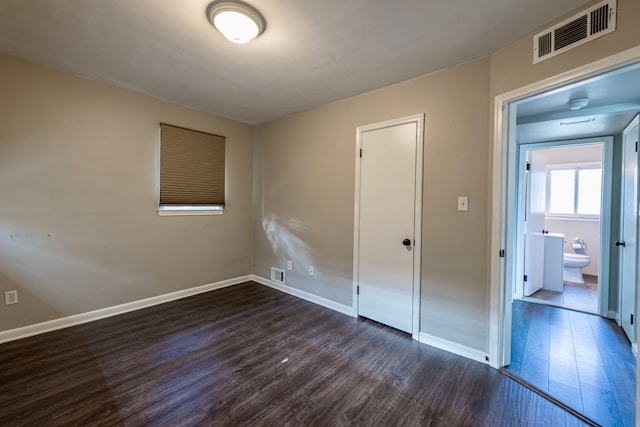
(78, 178)
(305, 169)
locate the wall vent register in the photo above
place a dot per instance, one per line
(581, 28)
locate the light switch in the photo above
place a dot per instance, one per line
(463, 203)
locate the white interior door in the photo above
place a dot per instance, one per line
(534, 228)
(629, 231)
(387, 217)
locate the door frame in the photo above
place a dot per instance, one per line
(502, 245)
(605, 210)
(523, 243)
(619, 319)
(418, 119)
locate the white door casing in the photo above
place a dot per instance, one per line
(503, 223)
(628, 242)
(388, 210)
(536, 202)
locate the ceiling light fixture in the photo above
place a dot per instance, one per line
(239, 22)
(577, 104)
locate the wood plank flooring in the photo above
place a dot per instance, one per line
(250, 355)
(582, 360)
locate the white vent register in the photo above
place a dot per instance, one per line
(277, 275)
(581, 28)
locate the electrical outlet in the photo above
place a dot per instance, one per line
(11, 297)
(311, 270)
(289, 265)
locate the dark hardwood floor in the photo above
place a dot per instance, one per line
(250, 355)
(580, 359)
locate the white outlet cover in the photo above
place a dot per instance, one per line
(463, 203)
(10, 297)
(311, 270)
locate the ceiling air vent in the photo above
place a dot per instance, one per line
(588, 25)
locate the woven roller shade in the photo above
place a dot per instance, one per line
(191, 167)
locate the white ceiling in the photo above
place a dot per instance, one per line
(614, 102)
(313, 52)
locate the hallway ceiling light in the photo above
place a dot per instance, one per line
(239, 22)
(577, 104)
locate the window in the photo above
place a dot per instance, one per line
(574, 190)
(191, 172)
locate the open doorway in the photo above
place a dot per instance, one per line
(565, 223)
(603, 368)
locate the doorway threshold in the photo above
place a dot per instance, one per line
(549, 397)
(542, 301)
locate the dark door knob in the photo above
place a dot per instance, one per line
(406, 242)
(618, 243)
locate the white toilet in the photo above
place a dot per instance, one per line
(575, 262)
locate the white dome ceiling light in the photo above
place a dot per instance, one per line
(239, 22)
(577, 104)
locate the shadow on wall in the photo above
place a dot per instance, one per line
(285, 243)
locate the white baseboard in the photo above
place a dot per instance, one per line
(453, 347)
(450, 346)
(341, 308)
(78, 319)
(614, 316)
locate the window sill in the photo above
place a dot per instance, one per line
(190, 211)
(572, 218)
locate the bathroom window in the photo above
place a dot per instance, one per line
(574, 191)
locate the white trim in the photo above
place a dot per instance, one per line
(614, 316)
(340, 308)
(572, 218)
(417, 247)
(625, 134)
(356, 225)
(185, 212)
(499, 313)
(419, 120)
(78, 319)
(453, 347)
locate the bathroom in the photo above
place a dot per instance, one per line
(571, 181)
